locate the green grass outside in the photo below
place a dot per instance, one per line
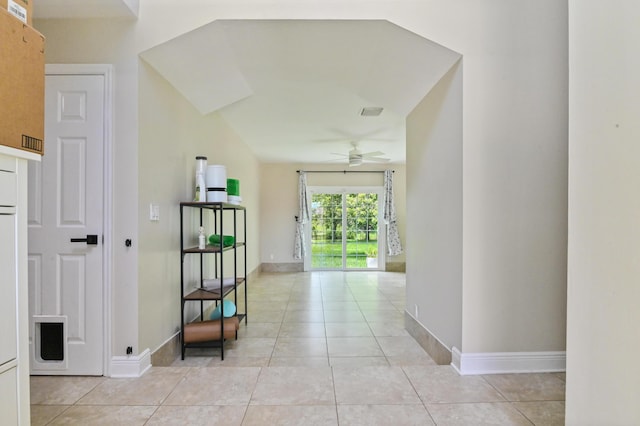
(329, 255)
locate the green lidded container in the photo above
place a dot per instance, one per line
(227, 240)
(233, 187)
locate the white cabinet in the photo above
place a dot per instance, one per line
(14, 304)
(8, 396)
(8, 290)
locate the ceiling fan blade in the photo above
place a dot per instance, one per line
(372, 154)
(376, 160)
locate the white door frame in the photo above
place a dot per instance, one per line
(106, 71)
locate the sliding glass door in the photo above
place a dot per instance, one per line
(344, 229)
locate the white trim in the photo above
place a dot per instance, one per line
(132, 365)
(508, 362)
(19, 153)
(105, 70)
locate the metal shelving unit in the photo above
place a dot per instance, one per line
(217, 252)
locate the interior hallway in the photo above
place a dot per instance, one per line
(321, 348)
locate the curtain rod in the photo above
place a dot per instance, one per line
(343, 171)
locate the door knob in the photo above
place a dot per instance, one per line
(91, 240)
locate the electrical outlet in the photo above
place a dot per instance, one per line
(129, 350)
(415, 307)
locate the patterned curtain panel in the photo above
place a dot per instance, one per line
(394, 247)
(303, 217)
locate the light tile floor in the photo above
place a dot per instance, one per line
(322, 348)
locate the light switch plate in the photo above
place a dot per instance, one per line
(154, 212)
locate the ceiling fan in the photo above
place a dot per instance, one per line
(357, 157)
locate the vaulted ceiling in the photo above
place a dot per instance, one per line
(58, 9)
(294, 90)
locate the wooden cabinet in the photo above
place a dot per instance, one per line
(14, 305)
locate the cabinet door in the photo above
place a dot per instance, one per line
(8, 186)
(8, 348)
(9, 396)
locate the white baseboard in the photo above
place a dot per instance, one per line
(508, 362)
(131, 366)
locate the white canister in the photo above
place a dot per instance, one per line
(201, 186)
(201, 164)
(216, 196)
(216, 180)
(217, 176)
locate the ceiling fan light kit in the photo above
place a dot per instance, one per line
(355, 160)
(356, 157)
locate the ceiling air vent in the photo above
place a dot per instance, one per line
(371, 111)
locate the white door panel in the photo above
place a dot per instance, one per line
(65, 203)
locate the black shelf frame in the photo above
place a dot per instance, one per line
(202, 294)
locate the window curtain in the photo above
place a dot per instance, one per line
(302, 218)
(394, 247)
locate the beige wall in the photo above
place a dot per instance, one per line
(514, 114)
(172, 134)
(150, 167)
(515, 178)
(279, 202)
(603, 373)
(514, 149)
(434, 210)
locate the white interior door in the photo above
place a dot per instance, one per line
(66, 204)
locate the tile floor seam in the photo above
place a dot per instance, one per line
(273, 350)
(424, 404)
(59, 414)
(152, 414)
(326, 345)
(482, 376)
(255, 385)
(522, 413)
(335, 396)
(184, 375)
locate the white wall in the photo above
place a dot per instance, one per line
(514, 150)
(108, 42)
(603, 373)
(279, 202)
(434, 210)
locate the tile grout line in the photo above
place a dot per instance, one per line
(507, 400)
(424, 404)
